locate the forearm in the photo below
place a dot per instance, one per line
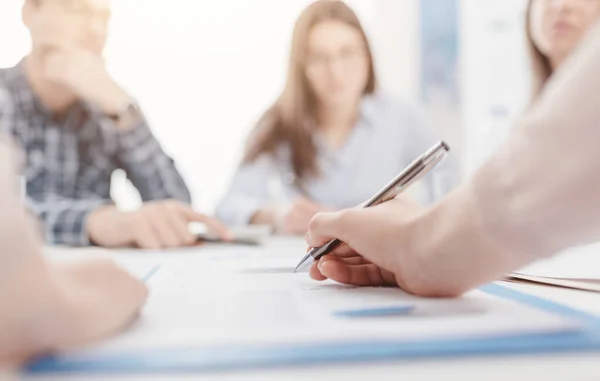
(248, 199)
(456, 250)
(109, 227)
(36, 317)
(39, 318)
(22, 272)
(265, 216)
(238, 209)
(539, 194)
(65, 220)
(63, 305)
(149, 168)
(41, 304)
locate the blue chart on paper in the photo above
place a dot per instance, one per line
(221, 358)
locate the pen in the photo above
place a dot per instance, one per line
(151, 273)
(207, 238)
(417, 169)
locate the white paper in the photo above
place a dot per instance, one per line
(243, 295)
(574, 283)
(138, 266)
(580, 262)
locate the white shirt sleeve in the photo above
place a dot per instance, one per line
(248, 192)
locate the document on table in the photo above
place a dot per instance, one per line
(577, 268)
(248, 296)
(141, 268)
(574, 283)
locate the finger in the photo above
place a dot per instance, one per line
(315, 274)
(146, 239)
(357, 275)
(326, 226)
(65, 40)
(179, 226)
(211, 223)
(131, 287)
(351, 260)
(354, 260)
(135, 293)
(165, 233)
(160, 227)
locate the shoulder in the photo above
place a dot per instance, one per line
(6, 97)
(4, 74)
(4, 88)
(11, 89)
(264, 126)
(9, 80)
(11, 77)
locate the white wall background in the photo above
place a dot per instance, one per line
(205, 70)
(496, 80)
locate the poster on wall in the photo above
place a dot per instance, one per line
(495, 84)
(474, 71)
(440, 84)
(439, 44)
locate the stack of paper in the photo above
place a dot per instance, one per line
(577, 268)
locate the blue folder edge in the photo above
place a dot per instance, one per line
(229, 358)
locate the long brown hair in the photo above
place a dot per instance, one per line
(540, 64)
(287, 120)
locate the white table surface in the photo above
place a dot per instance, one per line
(582, 366)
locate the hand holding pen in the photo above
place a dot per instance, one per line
(414, 172)
(374, 252)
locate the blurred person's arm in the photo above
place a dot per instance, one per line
(258, 196)
(47, 307)
(249, 200)
(63, 220)
(162, 222)
(156, 225)
(148, 167)
(7, 128)
(539, 194)
(94, 221)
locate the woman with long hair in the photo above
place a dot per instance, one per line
(331, 139)
(554, 29)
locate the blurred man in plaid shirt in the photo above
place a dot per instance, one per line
(76, 126)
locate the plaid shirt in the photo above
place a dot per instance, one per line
(69, 161)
